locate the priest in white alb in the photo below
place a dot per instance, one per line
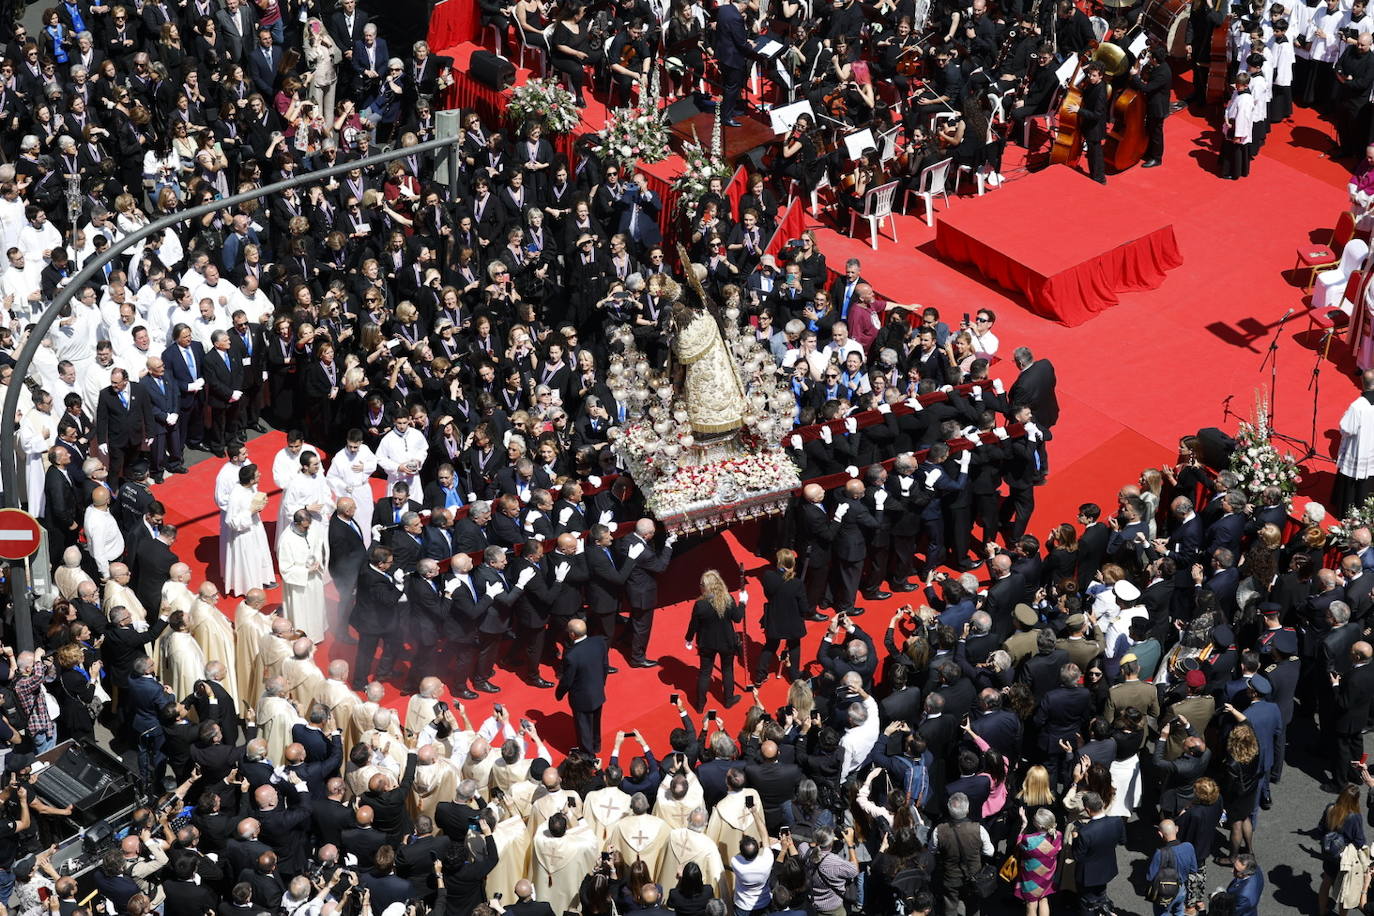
(1355, 460)
(119, 594)
(180, 663)
(37, 433)
(286, 464)
(350, 475)
(226, 481)
(690, 843)
(563, 855)
(304, 679)
(277, 715)
(247, 557)
(250, 625)
(308, 490)
(401, 453)
(301, 558)
(215, 634)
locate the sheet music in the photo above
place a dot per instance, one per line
(768, 47)
(784, 117)
(783, 74)
(1138, 44)
(857, 142)
(1065, 71)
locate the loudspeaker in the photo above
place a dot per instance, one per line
(491, 70)
(682, 109)
(1216, 448)
(446, 124)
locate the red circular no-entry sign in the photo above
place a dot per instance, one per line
(19, 534)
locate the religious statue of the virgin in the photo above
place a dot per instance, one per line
(708, 381)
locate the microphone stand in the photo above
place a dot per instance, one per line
(1272, 358)
(1315, 386)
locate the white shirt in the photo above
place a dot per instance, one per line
(1356, 456)
(103, 536)
(751, 880)
(858, 741)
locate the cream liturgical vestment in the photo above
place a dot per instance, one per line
(276, 717)
(177, 597)
(304, 680)
(641, 836)
(419, 713)
(301, 557)
(117, 595)
(250, 626)
(180, 663)
(604, 809)
(731, 820)
(686, 845)
(434, 782)
(215, 635)
(560, 864)
(512, 860)
(340, 700)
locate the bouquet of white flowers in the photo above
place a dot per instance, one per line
(544, 100)
(633, 134)
(1257, 462)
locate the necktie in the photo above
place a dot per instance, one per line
(609, 559)
(190, 361)
(225, 354)
(124, 399)
(472, 588)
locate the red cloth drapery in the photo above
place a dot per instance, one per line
(453, 22)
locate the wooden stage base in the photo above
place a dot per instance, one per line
(752, 133)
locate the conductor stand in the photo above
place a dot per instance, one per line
(1272, 358)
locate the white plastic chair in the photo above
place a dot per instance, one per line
(540, 54)
(978, 176)
(498, 37)
(1330, 286)
(794, 189)
(999, 111)
(877, 207)
(933, 179)
(1047, 119)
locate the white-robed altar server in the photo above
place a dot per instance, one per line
(37, 434)
(301, 557)
(286, 464)
(308, 490)
(401, 453)
(247, 557)
(1355, 460)
(349, 475)
(226, 481)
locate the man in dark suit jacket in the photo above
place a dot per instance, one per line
(330, 814)
(263, 60)
(775, 781)
(284, 818)
(364, 840)
(347, 554)
(1095, 852)
(428, 614)
(249, 348)
(854, 526)
(525, 904)
(816, 530)
(121, 423)
(605, 580)
(1227, 530)
(407, 542)
(159, 394)
(641, 587)
(733, 50)
(387, 800)
(583, 682)
(61, 509)
(183, 894)
(1034, 387)
(186, 379)
(1351, 694)
(374, 617)
(1061, 715)
(223, 393)
(236, 22)
(212, 703)
(153, 563)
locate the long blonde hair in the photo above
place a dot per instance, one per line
(714, 591)
(787, 563)
(800, 698)
(1035, 789)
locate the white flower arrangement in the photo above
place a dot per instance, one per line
(633, 134)
(544, 100)
(1361, 516)
(1257, 463)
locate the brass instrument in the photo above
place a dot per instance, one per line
(1112, 58)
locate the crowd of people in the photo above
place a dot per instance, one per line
(1143, 662)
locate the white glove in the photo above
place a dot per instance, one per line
(451, 588)
(634, 552)
(104, 448)
(594, 480)
(1033, 432)
(914, 404)
(607, 518)
(840, 511)
(171, 419)
(978, 392)
(796, 442)
(997, 386)
(398, 576)
(743, 596)
(884, 408)
(494, 589)
(826, 435)
(525, 576)
(946, 388)
(235, 396)
(560, 572)
(376, 531)
(905, 483)
(670, 540)
(964, 459)
(196, 385)
(879, 498)
(564, 515)
(505, 438)
(472, 497)
(932, 476)
(851, 424)
(852, 471)
(1001, 433)
(264, 375)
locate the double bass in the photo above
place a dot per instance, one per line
(1068, 133)
(1126, 138)
(1216, 66)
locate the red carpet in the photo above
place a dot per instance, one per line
(1157, 365)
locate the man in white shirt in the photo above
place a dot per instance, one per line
(816, 361)
(841, 345)
(984, 341)
(103, 537)
(752, 868)
(209, 319)
(401, 453)
(862, 733)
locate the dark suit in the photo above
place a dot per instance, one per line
(733, 49)
(776, 783)
(61, 511)
(153, 563)
(1094, 849)
(605, 580)
(262, 68)
(374, 617)
(223, 377)
(121, 429)
(160, 398)
(190, 425)
(347, 556)
(583, 682)
(123, 645)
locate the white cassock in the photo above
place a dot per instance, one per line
(117, 595)
(349, 475)
(1355, 459)
(37, 433)
(304, 680)
(731, 820)
(285, 469)
(276, 717)
(560, 864)
(250, 625)
(103, 538)
(215, 635)
(395, 451)
(226, 482)
(434, 782)
(686, 845)
(247, 557)
(419, 713)
(301, 556)
(307, 490)
(340, 699)
(180, 662)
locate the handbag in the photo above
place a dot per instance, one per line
(1010, 869)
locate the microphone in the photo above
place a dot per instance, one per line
(1286, 314)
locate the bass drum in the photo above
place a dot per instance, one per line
(1166, 21)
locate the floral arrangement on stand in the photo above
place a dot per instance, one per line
(692, 486)
(546, 101)
(1257, 462)
(1361, 516)
(701, 167)
(634, 134)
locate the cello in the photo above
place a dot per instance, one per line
(1126, 138)
(1068, 133)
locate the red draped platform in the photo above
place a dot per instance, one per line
(1115, 242)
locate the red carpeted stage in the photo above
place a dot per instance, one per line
(1116, 242)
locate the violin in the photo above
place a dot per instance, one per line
(910, 62)
(835, 102)
(628, 54)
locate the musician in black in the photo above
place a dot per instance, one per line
(942, 92)
(980, 36)
(629, 58)
(1039, 91)
(920, 153)
(1203, 19)
(1072, 30)
(573, 46)
(1092, 118)
(684, 60)
(1021, 51)
(1152, 77)
(896, 52)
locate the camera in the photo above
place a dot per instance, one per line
(440, 707)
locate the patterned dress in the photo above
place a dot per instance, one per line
(1039, 855)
